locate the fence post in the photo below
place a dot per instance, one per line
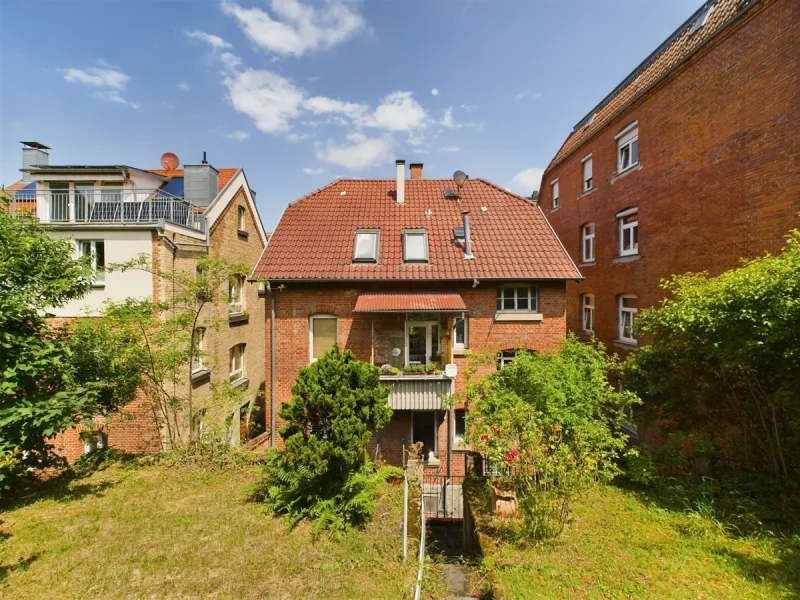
(405, 514)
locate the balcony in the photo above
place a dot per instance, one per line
(417, 392)
(106, 206)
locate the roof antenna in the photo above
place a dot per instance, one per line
(205, 162)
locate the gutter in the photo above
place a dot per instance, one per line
(272, 402)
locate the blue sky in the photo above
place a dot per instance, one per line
(299, 93)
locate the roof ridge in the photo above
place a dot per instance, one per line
(316, 191)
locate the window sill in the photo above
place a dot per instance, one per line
(461, 351)
(98, 286)
(554, 209)
(201, 376)
(242, 381)
(243, 235)
(626, 345)
(509, 316)
(628, 171)
(238, 317)
(588, 263)
(626, 258)
(586, 335)
(587, 193)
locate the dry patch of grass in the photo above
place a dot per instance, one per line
(158, 531)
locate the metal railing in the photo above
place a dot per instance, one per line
(443, 496)
(120, 205)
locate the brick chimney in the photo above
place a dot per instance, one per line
(416, 170)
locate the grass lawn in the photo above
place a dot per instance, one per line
(620, 544)
(160, 531)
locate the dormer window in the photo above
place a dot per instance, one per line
(365, 247)
(415, 246)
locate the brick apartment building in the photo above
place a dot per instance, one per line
(174, 216)
(690, 164)
(406, 272)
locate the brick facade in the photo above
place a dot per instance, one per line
(718, 168)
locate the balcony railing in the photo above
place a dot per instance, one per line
(107, 206)
(417, 392)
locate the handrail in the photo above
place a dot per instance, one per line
(418, 589)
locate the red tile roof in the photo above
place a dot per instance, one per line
(225, 175)
(389, 302)
(511, 238)
(679, 46)
(16, 186)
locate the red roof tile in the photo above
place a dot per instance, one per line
(389, 302)
(511, 239)
(16, 186)
(225, 175)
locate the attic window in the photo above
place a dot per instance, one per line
(365, 247)
(415, 246)
(448, 193)
(702, 18)
(458, 234)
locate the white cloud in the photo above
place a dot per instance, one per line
(95, 77)
(447, 120)
(322, 105)
(527, 180)
(469, 107)
(214, 41)
(298, 137)
(184, 87)
(230, 60)
(293, 28)
(310, 171)
(450, 149)
(270, 100)
(113, 96)
(399, 112)
(358, 153)
(239, 136)
(435, 92)
(526, 93)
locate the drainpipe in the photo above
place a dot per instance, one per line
(272, 434)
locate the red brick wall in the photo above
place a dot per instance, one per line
(719, 179)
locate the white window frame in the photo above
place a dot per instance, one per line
(554, 193)
(311, 320)
(622, 311)
(533, 298)
(99, 271)
(588, 182)
(587, 313)
(428, 338)
(424, 235)
(241, 219)
(503, 357)
(463, 442)
(197, 352)
(237, 355)
(632, 227)
(587, 236)
(236, 294)
(465, 344)
(626, 139)
(376, 235)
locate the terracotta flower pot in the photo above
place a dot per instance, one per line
(504, 502)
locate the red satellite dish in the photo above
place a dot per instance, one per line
(170, 161)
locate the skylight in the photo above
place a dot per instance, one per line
(415, 246)
(365, 247)
(702, 18)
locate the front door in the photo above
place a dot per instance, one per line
(422, 341)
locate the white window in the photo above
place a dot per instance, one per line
(628, 231)
(702, 18)
(459, 428)
(422, 342)
(554, 188)
(504, 357)
(236, 294)
(460, 333)
(240, 223)
(96, 249)
(365, 248)
(587, 173)
(628, 308)
(522, 298)
(415, 246)
(197, 349)
(323, 334)
(587, 242)
(628, 147)
(587, 320)
(237, 362)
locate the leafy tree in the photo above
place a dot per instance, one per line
(724, 361)
(323, 472)
(550, 424)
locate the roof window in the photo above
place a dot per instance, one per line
(702, 18)
(415, 246)
(366, 245)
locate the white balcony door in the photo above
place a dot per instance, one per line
(422, 341)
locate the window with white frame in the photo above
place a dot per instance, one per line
(504, 357)
(366, 245)
(459, 428)
(415, 246)
(197, 349)
(628, 147)
(587, 318)
(96, 251)
(460, 333)
(237, 362)
(323, 334)
(628, 231)
(554, 189)
(587, 242)
(587, 173)
(628, 309)
(240, 222)
(517, 298)
(236, 294)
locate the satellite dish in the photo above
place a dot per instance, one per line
(460, 178)
(451, 370)
(170, 161)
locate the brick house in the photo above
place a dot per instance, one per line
(173, 216)
(404, 272)
(689, 164)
